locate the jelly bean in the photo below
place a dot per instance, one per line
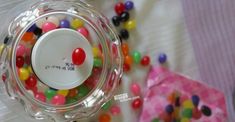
(58, 100)
(116, 20)
(125, 49)
(29, 68)
(23, 74)
(187, 113)
(82, 91)
(136, 56)
(124, 16)
(188, 104)
(54, 20)
(129, 25)
(71, 100)
(76, 23)
(171, 98)
(96, 52)
(83, 31)
(129, 5)
(162, 58)
(90, 82)
(115, 110)
(72, 92)
(40, 22)
(63, 92)
(48, 26)
(97, 62)
(124, 34)
(135, 88)
(206, 110)
(64, 24)
(27, 60)
(128, 60)
(28, 36)
(34, 89)
(20, 51)
(32, 28)
(137, 103)
(50, 93)
(107, 105)
(78, 56)
(104, 118)
(195, 100)
(126, 67)
(184, 120)
(169, 109)
(40, 96)
(19, 61)
(119, 8)
(196, 114)
(31, 82)
(155, 120)
(176, 112)
(37, 32)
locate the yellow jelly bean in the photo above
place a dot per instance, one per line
(76, 23)
(23, 74)
(63, 92)
(184, 120)
(30, 69)
(188, 104)
(129, 25)
(96, 52)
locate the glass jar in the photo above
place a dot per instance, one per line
(60, 58)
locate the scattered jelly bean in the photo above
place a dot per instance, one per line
(129, 5)
(188, 104)
(78, 56)
(28, 36)
(76, 23)
(50, 93)
(125, 49)
(155, 120)
(162, 58)
(40, 22)
(40, 96)
(196, 114)
(126, 67)
(64, 24)
(124, 34)
(82, 91)
(58, 100)
(129, 25)
(63, 92)
(137, 103)
(19, 61)
(31, 81)
(169, 109)
(187, 113)
(48, 26)
(96, 52)
(107, 105)
(124, 16)
(135, 88)
(104, 118)
(116, 20)
(97, 62)
(136, 56)
(128, 60)
(83, 31)
(72, 92)
(115, 110)
(71, 100)
(206, 110)
(32, 28)
(23, 74)
(184, 120)
(119, 8)
(54, 20)
(195, 100)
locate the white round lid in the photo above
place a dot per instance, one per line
(52, 59)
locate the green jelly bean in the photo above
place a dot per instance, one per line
(97, 62)
(107, 105)
(49, 93)
(155, 120)
(71, 100)
(82, 91)
(136, 57)
(187, 113)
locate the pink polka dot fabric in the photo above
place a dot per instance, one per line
(161, 83)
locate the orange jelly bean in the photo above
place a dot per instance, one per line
(104, 118)
(128, 60)
(125, 49)
(72, 92)
(28, 36)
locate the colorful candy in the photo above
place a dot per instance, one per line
(196, 114)
(78, 56)
(28, 36)
(58, 100)
(97, 62)
(83, 91)
(104, 118)
(206, 110)
(23, 74)
(162, 58)
(124, 16)
(129, 25)
(135, 88)
(20, 50)
(195, 100)
(31, 82)
(124, 33)
(137, 103)
(126, 67)
(107, 105)
(72, 92)
(40, 96)
(48, 26)
(136, 56)
(19, 61)
(116, 20)
(96, 52)
(115, 110)
(125, 49)
(63, 92)
(188, 104)
(187, 113)
(155, 120)
(76, 23)
(64, 24)
(50, 93)
(128, 60)
(83, 31)
(119, 8)
(169, 109)
(129, 5)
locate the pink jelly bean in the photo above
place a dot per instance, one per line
(115, 110)
(20, 50)
(83, 31)
(48, 26)
(58, 100)
(40, 96)
(135, 88)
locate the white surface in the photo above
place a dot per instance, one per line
(52, 59)
(160, 29)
